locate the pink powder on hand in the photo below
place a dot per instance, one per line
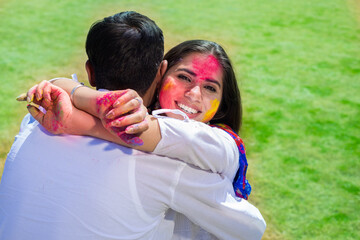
(108, 99)
(131, 139)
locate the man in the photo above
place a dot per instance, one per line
(73, 187)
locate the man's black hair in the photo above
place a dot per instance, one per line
(125, 51)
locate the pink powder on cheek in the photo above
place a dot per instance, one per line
(164, 99)
(167, 93)
(205, 68)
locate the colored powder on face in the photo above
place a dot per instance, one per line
(169, 85)
(167, 93)
(206, 67)
(213, 109)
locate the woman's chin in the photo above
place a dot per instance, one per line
(174, 115)
(196, 117)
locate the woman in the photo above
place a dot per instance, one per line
(216, 60)
(199, 82)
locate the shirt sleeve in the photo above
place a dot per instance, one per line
(27, 124)
(208, 200)
(198, 144)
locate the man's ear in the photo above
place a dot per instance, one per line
(161, 72)
(90, 73)
(163, 68)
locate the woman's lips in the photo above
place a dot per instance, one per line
(186, 108)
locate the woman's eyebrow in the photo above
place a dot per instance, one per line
(194, 74)
(187, 70)
(213, 81)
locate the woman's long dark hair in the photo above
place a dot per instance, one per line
(230, 110)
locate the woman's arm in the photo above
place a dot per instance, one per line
(100, 104)
(62, 117)
(192, 142)
(200, 144)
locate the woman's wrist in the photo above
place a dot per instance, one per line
(72, 93)
(85, 99)
(82, 123)
(65, 83)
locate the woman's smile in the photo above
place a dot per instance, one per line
(186, 109)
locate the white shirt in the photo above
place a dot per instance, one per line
(204, 146)
(75, 187)
(197, 143)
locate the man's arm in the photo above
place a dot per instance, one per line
(208, 200)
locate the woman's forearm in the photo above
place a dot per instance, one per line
(150, 137)
(84, 99)
(199, 144)
(87, 99)
(195, 141)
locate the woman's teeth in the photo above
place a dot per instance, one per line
(187, 109)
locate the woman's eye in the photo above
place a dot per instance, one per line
(183, 77)
(210, 88)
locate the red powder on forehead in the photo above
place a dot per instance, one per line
(205, 67)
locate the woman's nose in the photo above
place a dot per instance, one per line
(194, 93)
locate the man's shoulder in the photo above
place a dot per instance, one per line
(84, 146)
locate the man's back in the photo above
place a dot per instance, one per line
(85, 185)
(74, 187)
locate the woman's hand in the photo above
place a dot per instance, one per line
(58, 116)
(122, 111)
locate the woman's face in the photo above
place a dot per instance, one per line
(194, 85)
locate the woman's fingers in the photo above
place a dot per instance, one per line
(132, 105)
(37, 92)
(127, 96)
(43, 91)
(21, 97)
(36, 113)
(31, 94)
(120, 103)
(47, 91)
(131, 119)
(107, 100)
(137, 128)
(39, 97)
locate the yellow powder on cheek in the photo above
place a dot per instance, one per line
(168, 85)
(210, 114)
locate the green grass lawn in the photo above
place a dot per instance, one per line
(298, 65)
